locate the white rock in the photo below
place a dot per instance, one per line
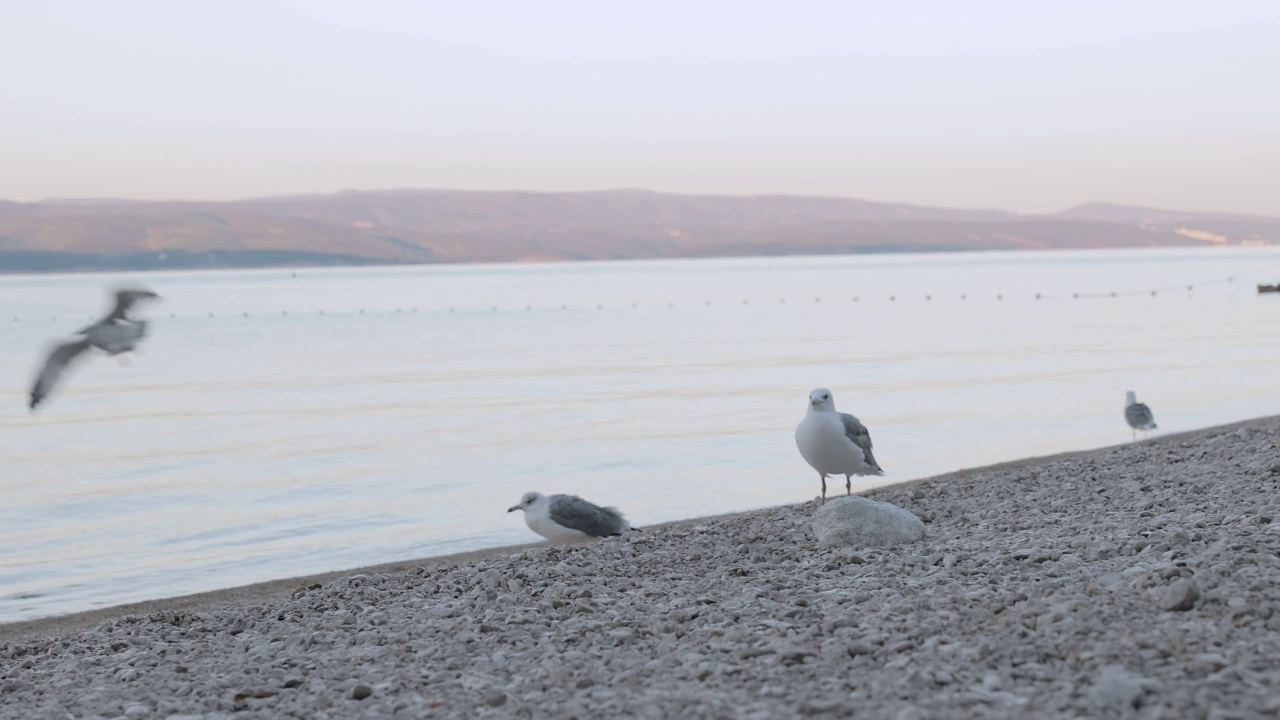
(856, 522)
(1117, 689)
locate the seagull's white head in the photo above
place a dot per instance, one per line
(1130, 398)
(529, 500)
(822, 400)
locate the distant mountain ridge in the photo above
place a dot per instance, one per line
(454, 226)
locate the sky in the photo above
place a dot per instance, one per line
(1021, 105)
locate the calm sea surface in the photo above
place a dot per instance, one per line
(280, 423)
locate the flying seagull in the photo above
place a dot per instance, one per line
(114, 334)
(1137, 415)
(834, 443)
(569, 518)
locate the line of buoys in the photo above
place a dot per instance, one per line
(928, 297)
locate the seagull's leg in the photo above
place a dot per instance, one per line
(848, 485)
(824, 488)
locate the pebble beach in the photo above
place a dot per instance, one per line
(1141, 580)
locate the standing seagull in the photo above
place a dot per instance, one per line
(569, 518)
(834, 443)
(1137, 415)
(114, 334)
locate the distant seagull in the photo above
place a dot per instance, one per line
(834, 443)
(114, 334)
(569, 518)
(1137, 415)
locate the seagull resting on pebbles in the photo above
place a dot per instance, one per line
(834, 443)
(569, 518)
(114, 334)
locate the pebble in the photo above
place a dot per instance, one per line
(1117, 689)
(1180, 595)
(360, 692)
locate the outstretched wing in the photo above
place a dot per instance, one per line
(860, 436)
(125, 299)
(573, 512)
(54, 366)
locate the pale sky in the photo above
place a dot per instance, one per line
(1024, 105)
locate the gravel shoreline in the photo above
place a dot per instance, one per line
(1141, 580)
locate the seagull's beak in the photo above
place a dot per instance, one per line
(513, 508)
(815, 403)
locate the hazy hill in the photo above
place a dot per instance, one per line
(458, 226)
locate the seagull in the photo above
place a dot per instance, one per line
(1137, 415)
(114, 334)
(569, 518)
(834, 443)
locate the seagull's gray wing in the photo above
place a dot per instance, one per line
(859, 435)
(125, 299)
(572, 511)
(54, 366)
(1139, 416)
